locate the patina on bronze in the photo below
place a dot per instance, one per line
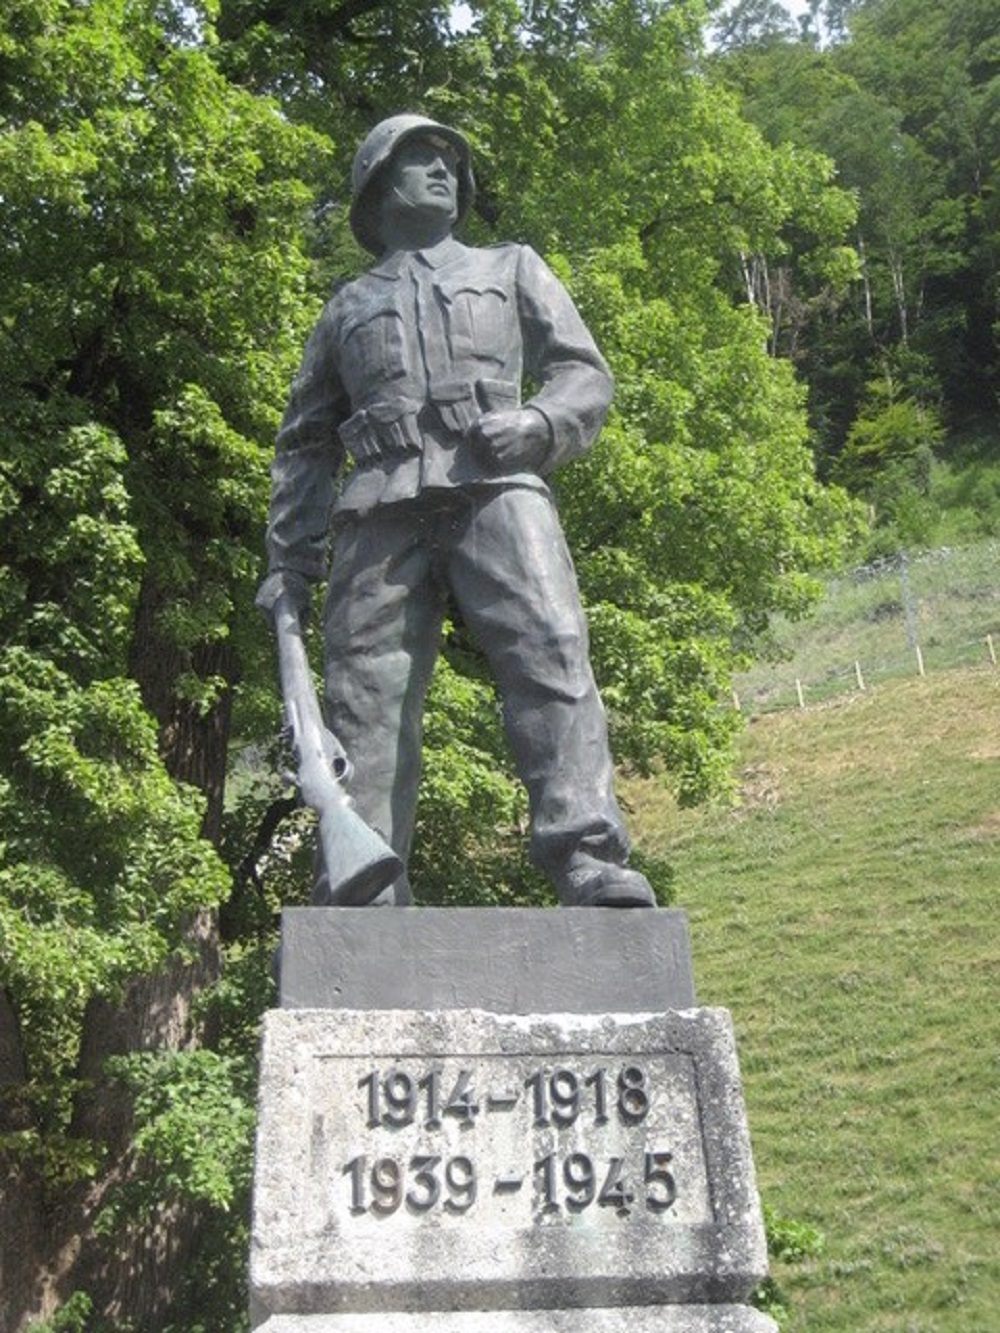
(413, 379)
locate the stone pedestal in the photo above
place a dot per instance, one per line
(570, 1152)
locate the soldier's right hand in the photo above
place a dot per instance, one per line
(284, 583)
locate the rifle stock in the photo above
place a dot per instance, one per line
(359, 864)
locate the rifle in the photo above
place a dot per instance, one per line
(359, 864)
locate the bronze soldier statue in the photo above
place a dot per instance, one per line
(414, 372)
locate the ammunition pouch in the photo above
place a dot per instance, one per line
(382, 431)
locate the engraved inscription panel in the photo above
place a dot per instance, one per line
(560, 1140)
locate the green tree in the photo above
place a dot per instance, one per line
(753, 23)
(153, 297)
(159, 164)
(888, 459)
(904, 102)
(939, 66)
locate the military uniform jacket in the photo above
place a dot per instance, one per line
(402, 362)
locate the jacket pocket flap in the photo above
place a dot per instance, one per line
(477, 287)
(358, 319)
(387, 410)
(453, 391)
(353, 427)
(497, 393)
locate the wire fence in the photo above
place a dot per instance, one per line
(907, 615)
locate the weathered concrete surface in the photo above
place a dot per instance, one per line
(331, 1237)
(504, 959)
(634, 1319)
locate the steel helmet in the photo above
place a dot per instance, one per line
(376, 151)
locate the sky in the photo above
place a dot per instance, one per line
(795, 7)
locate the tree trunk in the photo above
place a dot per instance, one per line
(193, 740)
(866, 282)
(21, 1202)
(899, 291)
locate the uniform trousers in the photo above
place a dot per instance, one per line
(501, 553)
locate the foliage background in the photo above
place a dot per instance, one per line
(174, 182)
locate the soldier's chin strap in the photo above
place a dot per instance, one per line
(405, 200)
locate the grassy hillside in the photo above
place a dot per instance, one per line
(846, 912)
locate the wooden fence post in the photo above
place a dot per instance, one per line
(990, 649)
(857, 672)
(920, 660)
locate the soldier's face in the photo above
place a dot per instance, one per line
(423, 176)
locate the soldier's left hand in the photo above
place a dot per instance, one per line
(515, 441)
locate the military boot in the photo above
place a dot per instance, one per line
(588, 882)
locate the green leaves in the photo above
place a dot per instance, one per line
(69, 557)
(154, 301)
(193, 1133)
(905, 103)
(697, 514)
(101, 862)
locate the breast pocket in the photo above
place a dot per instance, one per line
(480, 323)
(372, 348)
